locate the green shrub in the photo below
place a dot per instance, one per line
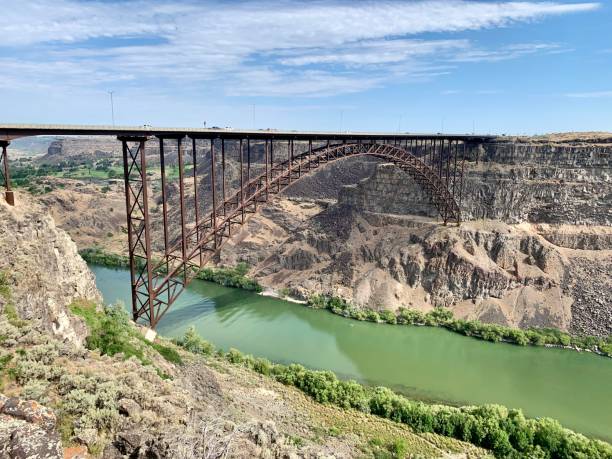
(262, 366)
(35, 390)
(387, 316)
(234, 356)
(372, 316)
(318, 302)
(194, 343)
(398, 448)
(4, 361)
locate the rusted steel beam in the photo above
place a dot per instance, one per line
(162, 165)
(196, 200)
(130, 231)
(432, 153)
(248, 159)
(214, 192)
(139, 228)
(448, 162)
(267, 153)
(461, 184)
(241, 182)
(309, 154)
(223, 173)
(289, 157)
(6, 175)
(455, 167)
(181, 166)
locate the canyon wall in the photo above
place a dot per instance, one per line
(509, 180)
(40, 265)
(536, 249)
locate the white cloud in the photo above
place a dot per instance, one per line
(260, 47)
(590, 95)
(507, 52)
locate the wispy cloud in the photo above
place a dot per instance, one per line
(255, 48)
(590, 95)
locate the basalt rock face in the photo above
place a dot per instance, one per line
(514, 181)
(81, 150)
(388, 190)
(490, 271)
(43, 269)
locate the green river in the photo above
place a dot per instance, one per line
(422, 362)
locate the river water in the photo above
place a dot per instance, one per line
(422, 362)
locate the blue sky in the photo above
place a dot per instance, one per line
(420, 66)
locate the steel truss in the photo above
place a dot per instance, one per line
(157, 279)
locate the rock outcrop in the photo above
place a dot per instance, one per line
(28, 430)
(43, 269)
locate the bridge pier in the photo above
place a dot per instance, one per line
(4, 172)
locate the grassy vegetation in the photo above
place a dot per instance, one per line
(441, 317)
(109, 330)
(9, 308)
(5, 291)
(505, 432)
(111, 333)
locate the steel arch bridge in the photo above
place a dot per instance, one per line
(435, 162)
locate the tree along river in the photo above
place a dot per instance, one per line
(427, 363)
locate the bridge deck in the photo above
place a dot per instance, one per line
(15, 131)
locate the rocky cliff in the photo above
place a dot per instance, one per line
(42, 269)
(565, 181)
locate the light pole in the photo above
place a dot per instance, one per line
(112, 106)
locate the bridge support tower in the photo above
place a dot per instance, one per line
(5, 174)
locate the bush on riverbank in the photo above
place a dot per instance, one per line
(506, 432)
(230, 277)
(442, 317)
(98, 256)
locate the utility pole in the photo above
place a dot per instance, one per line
(112, 107)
